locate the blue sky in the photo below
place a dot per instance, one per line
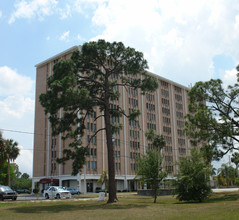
(183, 40)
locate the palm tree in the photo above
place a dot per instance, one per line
(2, 158)
(235, 160)
(228, 173)
(11, 152)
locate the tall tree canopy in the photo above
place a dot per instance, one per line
(91, 78)
(213, 119)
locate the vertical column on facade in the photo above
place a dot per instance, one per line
(160, 130)
(103, 144)
(142, 104)
(159, 123)
(60, 149)
(84, 190)
(79, 181)
(79, 137)
(125, 145)
(103, 137)
(48, 134)
(174, 126)
(188, 152)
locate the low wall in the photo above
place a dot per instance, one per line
(149, 192)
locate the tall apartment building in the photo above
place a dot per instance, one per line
(162, 110)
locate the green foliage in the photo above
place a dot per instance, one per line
(11, 152)
(2, 155)
(88, 80)
(213, 119)
(227, 175)
(104, 180)
(23, 182)
(158, 141)
(3, 174)
(14, 173)
(150, 167)
(8, 152)
(235, 159)
(192, 183)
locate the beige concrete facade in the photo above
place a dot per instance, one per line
(162, 110)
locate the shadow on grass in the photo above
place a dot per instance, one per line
(223, 197)
(57, 208)
(214, 198)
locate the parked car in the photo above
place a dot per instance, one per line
(56, 192)
(20, 191)
(73, 191)
(7, 193)
(98, 189)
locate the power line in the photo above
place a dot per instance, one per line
(16, 131)
(121, 140)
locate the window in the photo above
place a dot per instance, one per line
(181, 142)
(179, 114)
(169, 169)
(179, 106)
(165, 93)
(182, 150)
(166, 111)
(164, 84)
(167, 130)
(168, 149)
(169, 159)
(178, 97)
(177, 89)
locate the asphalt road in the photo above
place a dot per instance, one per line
(26, 197)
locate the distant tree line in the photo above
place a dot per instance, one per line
(9, 172)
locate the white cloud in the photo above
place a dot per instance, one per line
(12, 83)
(177, 37)
(80, 38)
(16, 107)
(16, 92)
(0, 13)
(230, 77)
(83, 6)
(65, 36)
(24, 160)
(17, 112)
(34, 8)
(65, 12)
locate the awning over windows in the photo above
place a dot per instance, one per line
(49, 180)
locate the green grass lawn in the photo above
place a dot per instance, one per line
(130, 206)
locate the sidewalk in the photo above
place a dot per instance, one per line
(225, 190)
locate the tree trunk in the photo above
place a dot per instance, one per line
(9, 180)
(155, 192)
(111, 161)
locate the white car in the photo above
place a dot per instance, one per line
(56, 192)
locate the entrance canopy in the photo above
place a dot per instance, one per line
(48, 180)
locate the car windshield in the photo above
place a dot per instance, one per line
(60, 189)
(5, 188)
